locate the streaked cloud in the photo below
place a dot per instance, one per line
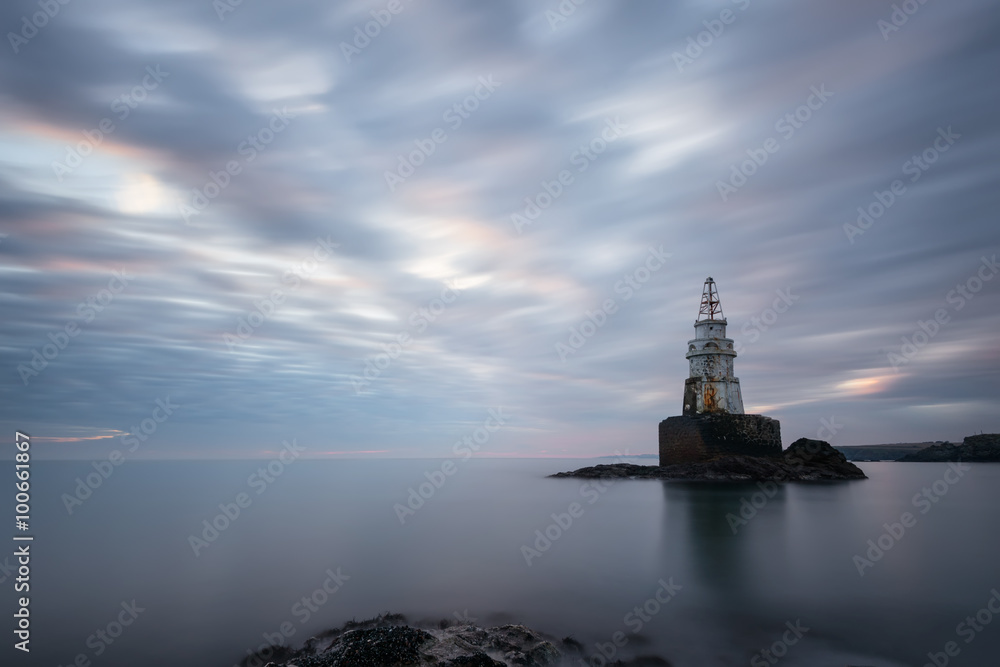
(449, 223)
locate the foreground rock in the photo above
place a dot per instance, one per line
(805, 461)
(983, 448)
(388, 641)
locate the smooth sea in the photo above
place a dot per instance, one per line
(155, 568)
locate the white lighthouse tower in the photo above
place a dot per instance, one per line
(711, 387)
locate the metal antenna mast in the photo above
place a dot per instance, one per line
(710, 306)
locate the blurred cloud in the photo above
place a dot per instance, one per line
(63, 235)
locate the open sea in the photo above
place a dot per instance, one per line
(699, 574)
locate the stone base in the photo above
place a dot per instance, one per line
(692, 438)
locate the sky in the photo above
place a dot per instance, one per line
(381, 228)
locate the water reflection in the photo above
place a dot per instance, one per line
(731, 575)
(716, 520)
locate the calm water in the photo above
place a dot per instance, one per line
(461, 552)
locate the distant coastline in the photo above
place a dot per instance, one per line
(982, 448)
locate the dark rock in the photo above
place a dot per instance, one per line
(385, 641)
(572, 644)
(392, 647)
(474, 660)
(984, 448)
(804, 461)
(820, 460)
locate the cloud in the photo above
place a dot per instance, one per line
(206, 124)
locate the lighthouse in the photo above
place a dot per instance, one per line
(712, 423)
(710, 386)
